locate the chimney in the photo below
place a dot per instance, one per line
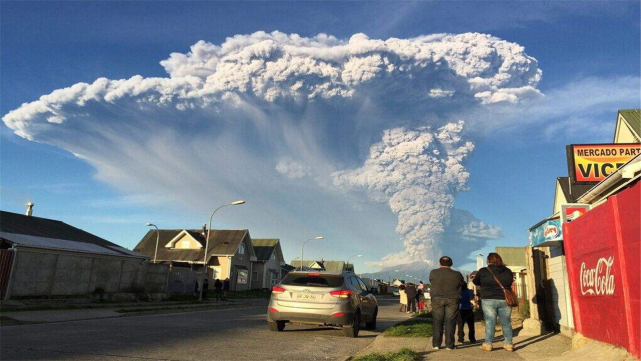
(29, 211)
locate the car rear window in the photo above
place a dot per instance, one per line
(318, 281)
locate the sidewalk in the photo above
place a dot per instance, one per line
(527, 347)
(48, 316)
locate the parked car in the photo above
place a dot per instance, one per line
(322, 298)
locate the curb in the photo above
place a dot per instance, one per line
(144, 313)
(179, 310)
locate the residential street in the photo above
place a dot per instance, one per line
(230, 334)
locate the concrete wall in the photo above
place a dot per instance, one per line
(52, 273)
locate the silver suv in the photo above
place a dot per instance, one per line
(322, 298)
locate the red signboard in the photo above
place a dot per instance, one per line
(602, 250)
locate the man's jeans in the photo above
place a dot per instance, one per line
(492, 308)
(444, 313)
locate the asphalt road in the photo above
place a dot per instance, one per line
(230, 334)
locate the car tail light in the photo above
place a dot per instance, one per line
(313, 275)
(338, 314)
(278, 290)
(273, 310)
(341, 294)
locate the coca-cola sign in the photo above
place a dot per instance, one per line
(598, 280)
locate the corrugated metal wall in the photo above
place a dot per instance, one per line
(559, 287)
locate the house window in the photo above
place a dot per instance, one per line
(254, 275)
(242, 277)
(241, 249)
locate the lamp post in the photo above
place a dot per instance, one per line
(350, 257)
(202, 283)
(157, 238)
(302, 250)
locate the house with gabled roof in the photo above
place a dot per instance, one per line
(230, 252)
(267, 269)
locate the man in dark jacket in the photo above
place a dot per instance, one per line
(218, 287)
(410, 291)
(225, 288)
(445, 293)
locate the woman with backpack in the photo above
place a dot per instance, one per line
(494, 280)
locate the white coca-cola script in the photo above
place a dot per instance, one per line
(598, 280)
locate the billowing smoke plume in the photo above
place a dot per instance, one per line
(418, 171)
(264, 112)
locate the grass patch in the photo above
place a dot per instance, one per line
(419, 326)
(402, 355)
(423, 315)
(48, 307)
(236, 295)
(182, 297)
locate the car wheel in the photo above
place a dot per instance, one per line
(372, 324)
(276, 326)
(352, 330)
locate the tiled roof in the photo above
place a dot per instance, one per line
(264, 247)
(572, 192)
(52, 234)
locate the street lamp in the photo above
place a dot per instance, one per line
(157, 238)
(350, 257)
(202, 283)
(302, 250)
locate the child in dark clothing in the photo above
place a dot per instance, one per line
(466, 315)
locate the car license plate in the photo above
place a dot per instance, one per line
(306, 297)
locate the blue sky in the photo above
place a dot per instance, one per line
(51, 45)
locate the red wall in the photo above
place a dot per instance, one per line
(605, 300)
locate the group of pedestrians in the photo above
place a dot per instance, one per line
(412, 296)
(221, 288)
(453, 303)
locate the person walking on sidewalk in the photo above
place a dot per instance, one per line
(403, 298)
(205, 288)
(445, 293)
(493, 299)
(218, 289)
(410, 291)
(420, 300)
(466, 316)
(225, 288)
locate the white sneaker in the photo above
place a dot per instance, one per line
(436, 348)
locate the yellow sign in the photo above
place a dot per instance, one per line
(592, 163)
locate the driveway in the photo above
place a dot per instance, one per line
(230, 334)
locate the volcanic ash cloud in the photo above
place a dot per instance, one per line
(264, 112)
(418, 171)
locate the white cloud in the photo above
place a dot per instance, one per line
(292, 169)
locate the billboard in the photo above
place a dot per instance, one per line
(592, 163)
(548, 233)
